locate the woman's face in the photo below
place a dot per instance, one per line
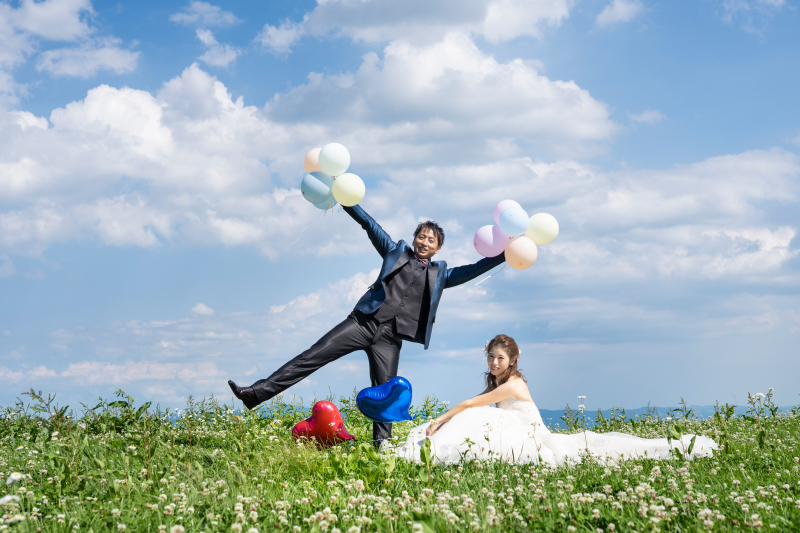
(498, 360)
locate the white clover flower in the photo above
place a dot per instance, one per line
(121, 527)
(177, 529)
(115, 512)
(14, 478)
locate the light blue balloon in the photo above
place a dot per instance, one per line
(326, 204)
(514, 221)
(316, 187)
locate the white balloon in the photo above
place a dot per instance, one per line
(542, 229)
(334, 159)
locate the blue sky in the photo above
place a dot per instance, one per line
(151, 157)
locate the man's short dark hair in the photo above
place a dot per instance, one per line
(434, 227)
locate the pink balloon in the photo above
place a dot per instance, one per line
(490, 241)
(311, 161)
(499, 208)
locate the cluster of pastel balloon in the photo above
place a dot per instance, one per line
(515, 234)
(327, 180)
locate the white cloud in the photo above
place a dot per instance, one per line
(619, 11)
(9, 375)
(217, 55)
(23, 27)
(752, 250)
(87, 59)
(102, 372)
(752, 15)
(648, 116)
(26, 120)
(41, 372)
(279, 39)
(204, 14)
(418, 22)
(55, 20)
(449, 97)
(17, 44)
(202, 309)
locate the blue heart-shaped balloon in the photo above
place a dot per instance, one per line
(386, 403)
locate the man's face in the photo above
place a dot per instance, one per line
(426, 244)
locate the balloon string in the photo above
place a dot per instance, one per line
(315, 218)
(307, 225)
(490, 275)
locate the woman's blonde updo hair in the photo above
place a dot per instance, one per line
(510, 346)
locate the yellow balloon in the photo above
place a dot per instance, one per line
(311, 161)
(521, 253)
(348, 189)
(542, 229)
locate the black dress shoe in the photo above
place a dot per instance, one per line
(246, 394)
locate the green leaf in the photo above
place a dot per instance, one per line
(118, 403)
(142, 409)
(425, 452)
(372, 454)
(389, 464)
(422, 473)
(762, 438)
(691, 444)
(426, 521)
(99, 462)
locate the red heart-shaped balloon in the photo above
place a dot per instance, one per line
(325, 424)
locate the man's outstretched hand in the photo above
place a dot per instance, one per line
(246, 394)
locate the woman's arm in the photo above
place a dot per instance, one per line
(503, 392)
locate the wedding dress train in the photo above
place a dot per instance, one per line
(515, 432)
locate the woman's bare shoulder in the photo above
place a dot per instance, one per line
(519, 387)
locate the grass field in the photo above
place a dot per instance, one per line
(127, 468)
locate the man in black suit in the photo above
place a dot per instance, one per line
(400, 305)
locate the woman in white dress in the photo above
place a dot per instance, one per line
(515, 432)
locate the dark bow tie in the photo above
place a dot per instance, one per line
(421, 260)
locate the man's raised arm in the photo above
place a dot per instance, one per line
(379, 238)
(458, 275)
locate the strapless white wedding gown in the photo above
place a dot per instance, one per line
(515, 432)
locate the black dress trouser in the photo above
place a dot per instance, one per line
(356, 332)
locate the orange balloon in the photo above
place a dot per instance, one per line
(311, 161)
(521, 253)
